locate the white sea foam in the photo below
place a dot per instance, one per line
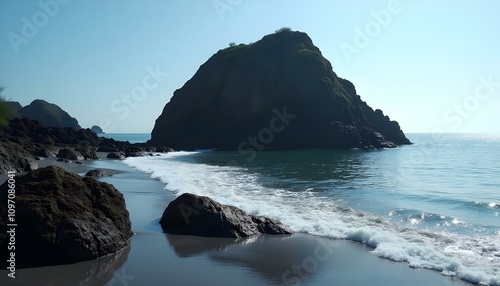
(472, 258)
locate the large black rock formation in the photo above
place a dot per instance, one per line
(62, 218)
(277, 93)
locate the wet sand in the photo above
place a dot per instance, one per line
(155, 258)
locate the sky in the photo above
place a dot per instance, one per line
(433, 66)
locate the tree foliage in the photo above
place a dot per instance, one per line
(283, 29)
(5, 109)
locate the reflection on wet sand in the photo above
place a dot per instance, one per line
(302, 259)
(277, 259)
(88, 273)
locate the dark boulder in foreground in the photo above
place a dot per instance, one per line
(63, 218)
(197, 215)
(278, 93)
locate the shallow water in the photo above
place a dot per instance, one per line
(155, 258)
(434, 204)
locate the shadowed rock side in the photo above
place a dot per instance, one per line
(279, 90)
(197, 215)
(63, 218)
(13, 157)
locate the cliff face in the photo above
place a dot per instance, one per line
(278, 93)
(49, 115)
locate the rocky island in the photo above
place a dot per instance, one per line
(97, 129)
(278, 93)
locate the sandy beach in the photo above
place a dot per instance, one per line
(156, 258)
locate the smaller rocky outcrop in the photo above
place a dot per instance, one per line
(96, 173)
(48, 151)
(190, 214)
(115, 155)
(164, 149)
(97, 129)
(49, 115)
(63, 218)
(133, 154)
(31, 133)
(107, 149)
(88, 152)
(26, 138)
(71, 154)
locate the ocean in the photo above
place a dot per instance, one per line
(130, 137)
(434, 204)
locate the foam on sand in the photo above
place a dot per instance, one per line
(472, 258)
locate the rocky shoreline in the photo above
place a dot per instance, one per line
(24, 142)
(66, 216)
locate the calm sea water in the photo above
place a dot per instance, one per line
(434, 204)
(131, 137)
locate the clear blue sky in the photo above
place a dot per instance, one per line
(427, 66)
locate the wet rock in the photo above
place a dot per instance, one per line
(88, 152)
(197, 215)
(13, 157)
(164, 149)
(49, 151)
(115, 155)
(107, 149)
(70, 154)
(96, 173)
(133, 154)
(63, 218)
